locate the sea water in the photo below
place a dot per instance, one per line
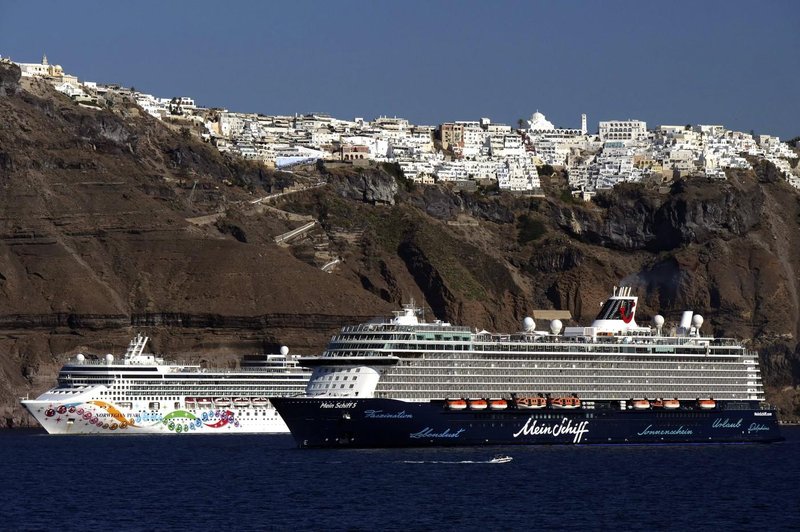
(229, 482)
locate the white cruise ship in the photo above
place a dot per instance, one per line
(142, 394)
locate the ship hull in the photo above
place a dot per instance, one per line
(101, 417)
(332, 423)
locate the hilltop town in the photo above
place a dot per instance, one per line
(114, 220)
(467, 153)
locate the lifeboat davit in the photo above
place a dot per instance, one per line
(260, 401)
(672, 403)
(241, 402)
(565, 402)
(456, 404)
(531, 402)
(498, 404)
(222, 401)
(641, 404)
(706, 404)
(190, 402)
(204, 401)
(478, 404)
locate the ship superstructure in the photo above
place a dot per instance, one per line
(141, 393)
(611, 360)
(614, 365)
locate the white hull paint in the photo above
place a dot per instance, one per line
(87, 417)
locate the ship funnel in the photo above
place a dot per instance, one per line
(618, 312)
(686, 322)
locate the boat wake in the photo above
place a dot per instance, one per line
(495, 460)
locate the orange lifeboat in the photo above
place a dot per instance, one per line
(456, 404)
(498, 404)
(478, 404)
(672, 403)
(565, 402)
(531, 402)
(706, 404)
(641, 404)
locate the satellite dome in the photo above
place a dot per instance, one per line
(697, 321)
(658, 320)
(284, 350)
(109, 358)
(80, 357)
(528, 324)
(555, 326)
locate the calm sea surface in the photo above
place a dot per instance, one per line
(264, 482)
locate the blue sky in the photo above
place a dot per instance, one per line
(731, 62)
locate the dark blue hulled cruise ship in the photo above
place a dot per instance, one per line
(403, 382)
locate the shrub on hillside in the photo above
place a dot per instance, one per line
(529, 229)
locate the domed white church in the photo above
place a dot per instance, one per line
(539, 123)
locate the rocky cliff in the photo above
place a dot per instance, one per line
(111, 222)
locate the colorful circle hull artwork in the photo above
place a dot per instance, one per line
(106, 416)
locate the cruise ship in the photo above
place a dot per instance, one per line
(404, 382)
(142, 394)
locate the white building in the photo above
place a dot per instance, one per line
(518, 175)
(378, 148)
(501, 146)
(151, 105)
(451, 171)
(625, 130)
(71, 90)
(42, 69)
(481, 168)
(295, 155)
(181, 105)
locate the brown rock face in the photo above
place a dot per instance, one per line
(95, 245)
(9, 79)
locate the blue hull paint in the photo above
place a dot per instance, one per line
(393, 423)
